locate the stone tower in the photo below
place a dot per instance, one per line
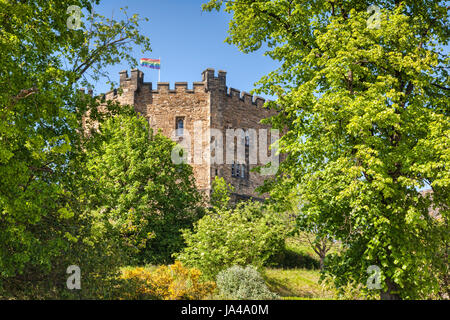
(203, 119)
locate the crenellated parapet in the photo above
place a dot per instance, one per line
(245, 97)
(218, 82)
(135, 91)
(210, 82)
(180, 87)
(135, 83)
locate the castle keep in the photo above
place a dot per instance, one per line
(208, 104)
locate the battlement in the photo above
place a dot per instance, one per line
(245, 97)
(180, 87)
(210, 82)
(136, 83)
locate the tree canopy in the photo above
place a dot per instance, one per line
(44, 60)
(147, 197)
(364, 94)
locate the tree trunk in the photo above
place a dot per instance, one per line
(322, 261)
(392, 291)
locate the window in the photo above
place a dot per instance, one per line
(247, 138)
(238, 170)
(179, 126)
(217, 172)
(214, 142)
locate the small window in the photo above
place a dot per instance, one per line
(214, 142)
(247, 139)
(179, 126)
(238, 170)
(217, 172)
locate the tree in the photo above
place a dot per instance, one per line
(43, 227)
(320, 245)
(363, 93)
(285, 200)
(146, 196)
(250, 233)
(220, 196)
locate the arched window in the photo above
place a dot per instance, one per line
(179, 126)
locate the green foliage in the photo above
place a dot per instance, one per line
(296, 255)
(368, 119)
(220, 196)
(290, 259)
(248, 234)
(44, 224)
(240, 283)
(143, 193)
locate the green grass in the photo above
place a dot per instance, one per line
(297, 245)
(296, 276)
(297, 284)
(297, 255)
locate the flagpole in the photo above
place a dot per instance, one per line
(159, 70)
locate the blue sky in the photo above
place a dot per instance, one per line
(188, 41)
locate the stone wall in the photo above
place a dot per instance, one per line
(208, 102)
(232, 109)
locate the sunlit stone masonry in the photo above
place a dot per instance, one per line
(207, 118)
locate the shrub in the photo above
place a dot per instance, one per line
(248, 234)
(90, 245)
(243, 284)
(174, 282)
(148, 198)
(220, 196)
(292, 259)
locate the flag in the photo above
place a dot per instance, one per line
(151, 63)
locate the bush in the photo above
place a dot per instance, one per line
(148, 198)
(248, 234)
(291, 259)
(174, 282)
(220, 196)
(243, 284)
(90, 245)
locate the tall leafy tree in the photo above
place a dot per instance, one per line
(220, 195)
(45, 56)
(146, 196)
(363, 89)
